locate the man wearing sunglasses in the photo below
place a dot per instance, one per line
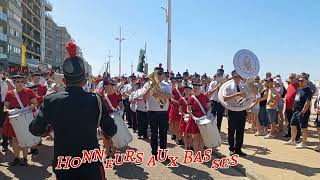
(301, 112)
(289, 103)
(236, 119)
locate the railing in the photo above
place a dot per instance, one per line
(48, 5)
(3, 16)
(3, 56)
(3, 37)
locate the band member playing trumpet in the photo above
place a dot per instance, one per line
(236, 119)
(157, 93)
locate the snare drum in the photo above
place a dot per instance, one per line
(20, 121)
(209, 132)
(123, 136)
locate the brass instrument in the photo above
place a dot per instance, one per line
(155, 87)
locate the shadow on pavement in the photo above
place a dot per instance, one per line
(169, 145)
(304, 170)
(45, 155)
(29, 172)
(257, 149)
(227, 171)
(189, 172)
(130, 171)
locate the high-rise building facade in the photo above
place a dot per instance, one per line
(10, 32)
(29, 22)
(49, 38)
(62, 36)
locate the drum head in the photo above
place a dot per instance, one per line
(246, 63)
(204, 121)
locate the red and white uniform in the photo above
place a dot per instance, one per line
(192, 127)
(183, 102)
(174, 108)
(42, 90)
(115, 99)
(25, 96)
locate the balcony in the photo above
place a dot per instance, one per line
(3, 16)
(3, 56)
(48, 5)
(3, 37)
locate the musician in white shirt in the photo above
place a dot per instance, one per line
(217, 109)
(236, 120)
(141, 111)
(127, 90)
(158, 114)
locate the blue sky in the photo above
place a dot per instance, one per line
(285, 35)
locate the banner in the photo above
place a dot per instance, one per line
(23, 55)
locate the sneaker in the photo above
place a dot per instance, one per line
(301, 146)
(15, 162)
(24, 162)
(317, 148)
(290, 143)
(269, 136)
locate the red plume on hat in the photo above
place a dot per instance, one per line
(71, 47)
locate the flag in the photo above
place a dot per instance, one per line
(23, 55)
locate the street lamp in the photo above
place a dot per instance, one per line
(120, 39)
(168, 12)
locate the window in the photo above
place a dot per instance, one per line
(18, 34)
(17, 18)
(12, 31)
(10, 47)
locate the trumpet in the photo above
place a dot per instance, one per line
(155, 87)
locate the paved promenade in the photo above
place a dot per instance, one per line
(267, 159)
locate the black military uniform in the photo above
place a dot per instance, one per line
(73, 115)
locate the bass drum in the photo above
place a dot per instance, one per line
(123, 136)
(20, 123)
(209, 132)
(240, 104)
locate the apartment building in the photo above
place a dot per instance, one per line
(62, 36)
(10, 32)
(51, 27)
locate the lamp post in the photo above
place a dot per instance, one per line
(120, 39)
(108, 63)
(168, 12)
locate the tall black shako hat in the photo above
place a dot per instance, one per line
(73, 66)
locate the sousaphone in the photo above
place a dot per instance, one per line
(247, 65)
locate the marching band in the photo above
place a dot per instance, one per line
(189, 107)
